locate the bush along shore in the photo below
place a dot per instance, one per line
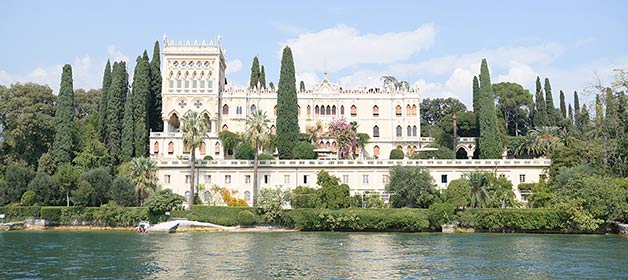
(310, 219)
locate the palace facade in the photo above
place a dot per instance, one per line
(194, 79)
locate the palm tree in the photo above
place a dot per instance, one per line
(392, 83)
(363, 139)
(144, 177)
(257, 132)
(194, 129)
(478, 182)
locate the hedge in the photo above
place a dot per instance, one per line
(17, 213)
(405, 219)
(513, 220)
(221, 215)
(106, 215)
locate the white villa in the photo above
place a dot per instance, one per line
(194, 79)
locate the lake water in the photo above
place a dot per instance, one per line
(307, 255)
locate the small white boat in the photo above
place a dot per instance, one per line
(142, 227)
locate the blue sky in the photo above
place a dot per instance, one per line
(435, 46)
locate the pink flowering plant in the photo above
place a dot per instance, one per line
(345, 135)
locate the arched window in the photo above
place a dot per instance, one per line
(376, 151)
(323, 110)
(253, 108)
(398, 111)
(333, 146)
(208, 196)
(156, 148)
(247, 196)
(316, 111)
(275, 110)
(413, 109)
(309, 110)
(354, 111)
(225, 127)
(414, 130)
(187, 194)
(170, 148)
(186, 149)
(409, 150)
(399, 131)
(321, 144)
(375, 111)
(408, 110)
(203, 148)
(342, 109)
(298, 110)
(328, 145)
(375, 131)
(208, 121)
(333, 110)
(328, 111)
(273, 130)
(173, 123)
(217, 148)
(409, 131)
(225, 109)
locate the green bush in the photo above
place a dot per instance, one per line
(405, 219)
(51, 213)
(396, 154)
(440, 214)
(221, 215)
(303, 150)
(246, 218)
(265, 157)
(208, 157)
(28, 198)
(163, 201)
(16, 213)
(245, 151)
(516, 220)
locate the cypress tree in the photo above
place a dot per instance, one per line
(577, 113)
(540, 114)
(64, 119)
(262, 78)
(563, 109)
(128, 127)
(549, 100)
(301, 86)
(585, 118)
(271, 85)
(254, 73)
(154, 101)
(104, 97)
(571, 119)
(490, 142)
(141, 90)
(287, 120)
(476, 95)
(115, 109)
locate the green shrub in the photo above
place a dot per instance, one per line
(246, 218)
(163, 201)
(516, 220)
(303, 150)
(396, 154)
(245, 151)
(51, 213)
(440, 214)
(16, 213)
(265, 157)
(28, 198)
(208, 157)
(221, 215)
(405, 219)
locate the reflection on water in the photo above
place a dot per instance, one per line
(56, 254)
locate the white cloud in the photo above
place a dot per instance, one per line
(116, 55)
(310, 79)
(342, 47)
(233, 66)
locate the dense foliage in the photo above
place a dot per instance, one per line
(411, 186)
(287, 119)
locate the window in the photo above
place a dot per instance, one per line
(414, 130)
(365, 179)
(202, 83)
(238, 110)
(399, 131)
(188, 178)
(179, 81)
(167, 179)
(170, 148)
(203, 148)
(273, 130)
(217, 148)
(247, 196)
(385, 179)
(156, 148)
(342, 109)
(309, 110)
(375, 131)
(286, 179)
(443, 179)
(187, 83)
(225, 128)
(227, 179)
(266, 179)
(208, 196)
(522, 178)
(328, 111)
(398, 111)
(354, 111)
(208, 179)
(409, 131)
(376, 151)
(375, 111)
(304, 179)
(333, 110)
(194, 84)
(253, 108)
(316, 110)
(171, 85)
(408, 110)
(299, 110)
(225, 109)
(247, 179)
(413, 110)
(209, 84)
(345, 179)
(187, 195)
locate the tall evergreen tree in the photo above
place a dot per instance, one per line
(254, 73)
(262, 78)
(128, 128)
(154, 102)
(563, 108)
(287, 119)
(271, 85)
(104, 97)
(115, 109)
(577, 119)
(549, 100)
(540, 114)
(570, 117)
(490, 142)
(476, 95)
(301, 86)
(64, 119)
(141, 90)
(585, 118)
